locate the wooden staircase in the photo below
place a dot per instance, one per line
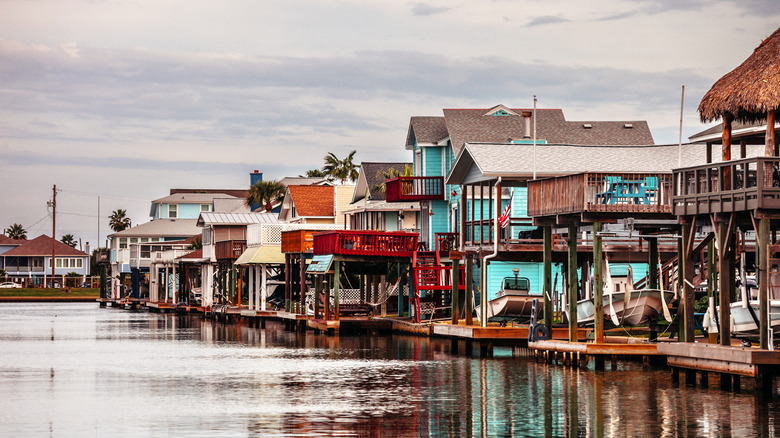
(435, 280)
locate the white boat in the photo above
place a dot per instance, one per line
(513, 300)
(743, 321)
(642, 305)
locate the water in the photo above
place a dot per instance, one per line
(78, 370)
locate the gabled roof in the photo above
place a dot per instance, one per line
(370, 177)
(488, 161)
(426, 129)
(312, 201)
(481, 126)
(162, 228)
(41, 246)
(216, 218)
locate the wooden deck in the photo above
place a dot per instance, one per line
(593, 349)
(495, 332)
(743, 361)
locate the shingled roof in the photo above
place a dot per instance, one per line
(5, 240)
(480, 126)
(370, 177)
(312, 200)
(41, 246)
(426, 129)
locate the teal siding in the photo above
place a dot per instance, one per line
(188, 211)
(438, 221)
(621, 270)
(433, 157)
(163, 211)
(534, 272)
(391, 221)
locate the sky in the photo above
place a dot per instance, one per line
(116, 102)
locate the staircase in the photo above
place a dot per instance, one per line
(432, 285)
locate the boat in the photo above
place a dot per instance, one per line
(513, 300)
(642, 305)
(744, 319)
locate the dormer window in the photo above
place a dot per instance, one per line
(500, 113)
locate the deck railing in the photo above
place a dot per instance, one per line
(229, 249)
(446, 242)
(601, 192)
(414, 188)
(369, 243)
(738, 185)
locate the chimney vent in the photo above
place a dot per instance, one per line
(527, 129)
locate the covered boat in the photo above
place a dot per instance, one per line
(513, 300)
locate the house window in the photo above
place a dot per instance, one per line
(133, 240)
(144, 239)
(65, 262)
(172, 211)
(123, 243)
(205, 207)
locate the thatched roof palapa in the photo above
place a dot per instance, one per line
(749, 91)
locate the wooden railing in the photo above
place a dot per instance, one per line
(601, 192)
(480, 232)
(368, 243)
(431, 278)
(730, 186)
(414, 188)
(446, 242)
(229, 249)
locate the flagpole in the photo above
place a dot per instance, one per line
(534, 136)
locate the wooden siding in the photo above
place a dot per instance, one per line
(229, 249)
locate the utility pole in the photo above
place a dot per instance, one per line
(53, 229)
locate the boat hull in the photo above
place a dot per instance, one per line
(742, 322)
(517, 306)
(643, 305)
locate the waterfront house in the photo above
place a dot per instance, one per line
(31, 260)
(369, 210)
(315, 204)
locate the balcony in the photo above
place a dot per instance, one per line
(414, 188)
(229, 249)
(731, 186)
(446, 242)
(366, 243)
(632, 194)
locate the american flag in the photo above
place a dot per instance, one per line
(503, 220)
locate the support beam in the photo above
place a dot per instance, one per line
(763, 278)
(547, 281)
(598, 284)
(652, 258)
(687, 269)
(724, 315)
(572, 282)
(336, 286)
(402, 279)
(302, 276)
(469, 298)
(455, 290)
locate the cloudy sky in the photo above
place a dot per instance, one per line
(123, 100)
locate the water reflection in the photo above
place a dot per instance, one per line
(75, 369)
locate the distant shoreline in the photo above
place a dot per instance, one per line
(58, 299)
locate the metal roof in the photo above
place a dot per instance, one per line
(216, 218)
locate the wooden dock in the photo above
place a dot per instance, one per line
(577, 354)
(519, 333)
(730, 362)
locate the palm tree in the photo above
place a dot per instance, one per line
(69, 240)
(390, 174)
(119, 221)
(265, 193)
(197, 243)
(341, 169)
(16, 231)
(314, 173)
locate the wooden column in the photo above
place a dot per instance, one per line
(547, 280)
(287, 282)
(652, 275)
(711, 286)
(769, 145)
(336, 286)
(402, 279)
(763, 278)
(250, 281)
(726, 150)
(572, 282)
(723, 284)
(598, 284)
(469, 299)
(455, 290)
(688, 229)
(317, 292)
(327, 301)
(302, 270)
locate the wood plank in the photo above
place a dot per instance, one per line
(718, 366)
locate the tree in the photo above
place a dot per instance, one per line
(390, 174)
(69, 240)
(197, 243)
(118, 221)
(16, 231)
(314, 173)
(339, 169)
(265, 193)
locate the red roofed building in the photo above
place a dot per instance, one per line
(316, 204)
(32, 258)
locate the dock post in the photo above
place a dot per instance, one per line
(302, 274)
(762, 250)
(711, 287)
(690, 378)
(572, 282)
(401, 282)
(688, 230)
(469, 298)
(726, 279)
(336, 285)
(287, 282)
(725, 381)
(455, 290)
(705, 379)
(598, 284)
(547, 281)
(599, 362)
(676, 376)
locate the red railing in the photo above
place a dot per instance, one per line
(430, 278)
(446, 242)
(229, 249)
(414, 188)
(370, 243)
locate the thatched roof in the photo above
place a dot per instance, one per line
(749, 91)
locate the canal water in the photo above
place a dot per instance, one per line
(78, 370)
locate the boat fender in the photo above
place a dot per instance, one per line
(538, 332)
